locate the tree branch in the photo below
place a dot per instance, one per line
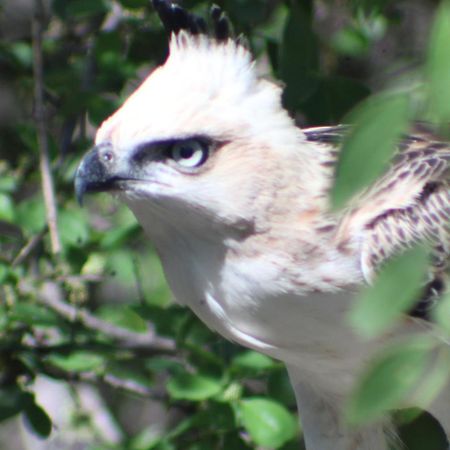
(41, 123)
(29, 247)
(51, 296)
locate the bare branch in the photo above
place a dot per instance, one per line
(41, 122)
(29, 247)
(51, 296)
(117, 383)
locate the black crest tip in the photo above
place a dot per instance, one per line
(175, 19)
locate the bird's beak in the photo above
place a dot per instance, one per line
(94, 174)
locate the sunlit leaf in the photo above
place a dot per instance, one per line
(79, 361)
(123, 316)
(6, 208)
(253, 361)
(269, 423)
(196, 387)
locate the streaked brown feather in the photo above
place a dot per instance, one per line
(409, 204)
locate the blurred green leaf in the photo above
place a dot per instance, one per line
(7, 183)
(73, 226)
(438, 65)
(23, 53)
(395, 290)
(30, 214)
(195, 387)
(392, 376)
(34, 315)
(6, 208)
(252, 361)
(378, 125)
(123, 316)
(78, 361)
(12, 401)
(350, 41)
(37, 420)
(94, 265)
(268, 423)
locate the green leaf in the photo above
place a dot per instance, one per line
(31, 214)
(394, 291)
(123, 316)
(94, 265)
(33, 315)
(250, 360)
(378, 125)
(438, 65)
(6, 208)
(195, 387)
(37, 420)
(7, 183)
(350, 41)
(12, 401)
(73, 226)
(392, 376)
(268, 423)
(80, 361)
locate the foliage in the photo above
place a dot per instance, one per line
(58, 317)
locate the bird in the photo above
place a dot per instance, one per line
(235, 198)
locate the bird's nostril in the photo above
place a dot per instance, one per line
(107, 156)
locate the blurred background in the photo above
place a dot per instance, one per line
(94, 354)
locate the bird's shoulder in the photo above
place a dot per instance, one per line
(408, 204)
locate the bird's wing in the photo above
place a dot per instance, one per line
(409, 204)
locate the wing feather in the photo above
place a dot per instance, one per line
(409, 204)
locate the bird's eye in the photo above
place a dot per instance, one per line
(189, 154)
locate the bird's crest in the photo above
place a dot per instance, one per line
(176, 19)
(208, 85)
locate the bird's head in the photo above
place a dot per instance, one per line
(201, 135)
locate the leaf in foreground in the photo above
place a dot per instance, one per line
(195, 387)
(269, 423)
(394, 291)
(377, 126)
(392, 376)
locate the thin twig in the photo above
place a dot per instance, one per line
(29, 247)
(41, 122)
(52, 298)
(118, 383)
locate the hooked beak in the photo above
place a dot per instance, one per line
(94, 174)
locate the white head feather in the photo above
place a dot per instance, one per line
(205, 87)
